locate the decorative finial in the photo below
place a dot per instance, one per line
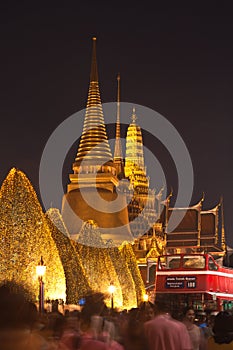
(134, 117)
(203, 196)
(94, 71)
(118, 149)
(118, 93)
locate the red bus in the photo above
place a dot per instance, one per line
(196, 280)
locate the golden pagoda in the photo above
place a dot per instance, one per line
(93, 166)
(95, 175)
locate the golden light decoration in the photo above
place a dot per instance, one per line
(77, 284)
(125, 278)
(97, 262)
(26, 234)
(25, 237)
(127, 252)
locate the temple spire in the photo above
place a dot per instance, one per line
(118, 130)
(94, 70)
(94, 154)
(134, 156)
(94, 146)
(133, 116)
(134, 146)
(118, 157)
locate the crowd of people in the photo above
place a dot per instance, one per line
(96, 327)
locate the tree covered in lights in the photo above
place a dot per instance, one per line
(125, 278)
(127, 252)
(25, 237)
(97, 262)
(76, 280)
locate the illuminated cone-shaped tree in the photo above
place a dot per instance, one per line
(76, 281)
(25, 237)
(125, 278)
(97, 262)
(127, 252)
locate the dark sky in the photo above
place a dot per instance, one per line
(176, 60)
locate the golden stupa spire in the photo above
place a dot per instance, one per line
(94, 137)
(118, 157)
(94, 153)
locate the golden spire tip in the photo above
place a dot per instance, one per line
(133, 117)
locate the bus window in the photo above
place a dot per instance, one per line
(173, 262)
(211, 264)
(227, 305)
(194, 262)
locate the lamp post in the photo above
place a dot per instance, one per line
(111, 290)
(40, 271)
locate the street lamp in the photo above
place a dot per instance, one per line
(40, 271)
(111, 290)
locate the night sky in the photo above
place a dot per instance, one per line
(176, 60)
